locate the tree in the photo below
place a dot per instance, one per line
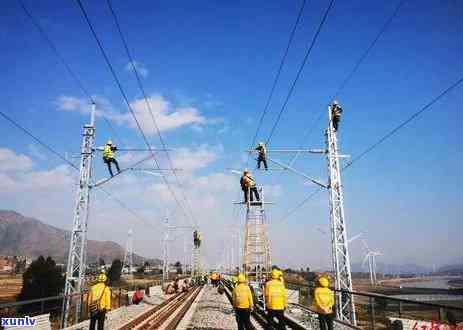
(141, 270)
(147, 264)
(41, 279)
(178, 266)
(114, 272)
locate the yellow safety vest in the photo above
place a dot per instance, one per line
(108, 152)
(242, 296)
(324, 300)
(275, 295)
(96, 291)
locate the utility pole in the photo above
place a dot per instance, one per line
(76, 261)
(128, 257)
(165, 257)
(345, 308)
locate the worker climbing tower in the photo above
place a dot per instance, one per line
(257, 262)
(345, 308)
(196, 255)
(76, 261)
(128, 256)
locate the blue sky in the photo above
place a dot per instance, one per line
(209, 67)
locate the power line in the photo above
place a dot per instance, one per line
(148, 105)
(277, 77)
(404, 123)
(60, 156)
(118, 83)
(381, 140)
(369, 48)
(299, 72)
(355, 68)
(68, 68)
(36, 139)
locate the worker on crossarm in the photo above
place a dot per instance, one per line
(250, 189)
(276, 300)
(243, 303)
(108, 156)
(99, 302)
(336, 112)
(324, 301)
(262, 155)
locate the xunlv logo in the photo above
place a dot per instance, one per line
(19, 321)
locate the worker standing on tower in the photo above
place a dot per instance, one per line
(276, 300)
(324, 301)
(99, 302)
(262, 155)
(336, 112)
(196, 239)
(248, 184)
(243, 303)
(108, 156)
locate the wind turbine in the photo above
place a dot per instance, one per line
(371, 257)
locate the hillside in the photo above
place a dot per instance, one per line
(21, 235)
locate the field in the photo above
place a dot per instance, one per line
(10, 286)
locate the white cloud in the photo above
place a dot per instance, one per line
(36, 152)
(166, 115)
(11, 161)
(190, 160)
(39, 181)
(140, 67)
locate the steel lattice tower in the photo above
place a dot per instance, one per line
(196, 261)
(78, 243)
(345, 308)
(128, 257)
(257, 262)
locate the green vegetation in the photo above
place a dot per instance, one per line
(41, 279)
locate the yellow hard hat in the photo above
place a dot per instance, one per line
(109, 142)
(241, 278)
(275, 274)
(102, 277)
(324, 281)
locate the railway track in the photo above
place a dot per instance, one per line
(166, 315)
(260, 316)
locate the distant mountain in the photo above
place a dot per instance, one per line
(392, 269)
(456, 269)
(21, 235)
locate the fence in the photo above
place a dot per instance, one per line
(376, 311)
(53, 305)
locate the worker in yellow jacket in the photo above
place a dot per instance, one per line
(276, 300)
(101, 295)
(324, 301)
(108, 156)
(243, 303)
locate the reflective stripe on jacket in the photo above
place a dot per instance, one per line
(242, 296)
(96, 291)
(275, 295)
(324, 300)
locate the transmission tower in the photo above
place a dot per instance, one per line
(196, 261)
(165, 252)
(128, 257)
(75, 271)
(257, 262)
(345, 308)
